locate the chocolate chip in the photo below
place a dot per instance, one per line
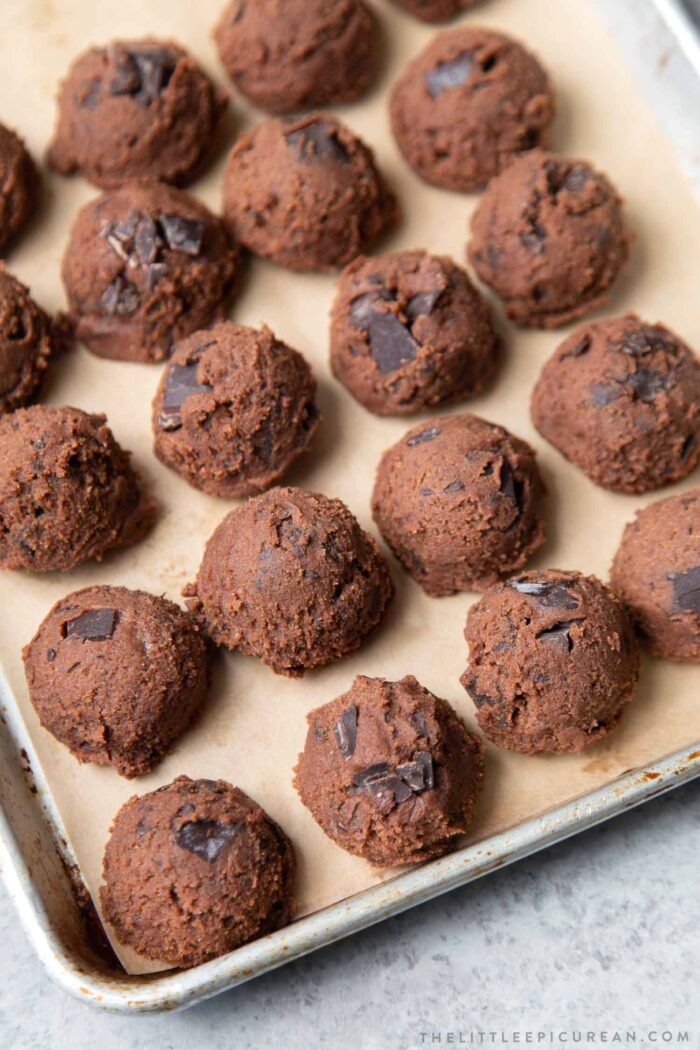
(647, 383)
(454, 486)
(50, 655)
(604, 394)
(182, 234)
(346, 732)
(686, 590)
(207, 838)
(146, 240)
(142, 73)
(121, 297)
(687, 447)
(422, 304)
(317, 140)
(558, 635)
(581, 347)
(576, 179)
(379, 769)
(391, 343)
(511, 486)
(425, 435)
(418, 774)
(426, 491)
(534, 238)
(96, 625)
(362, 307)
(153, 273)
(548, 595)
(180, 383)
(449, 75)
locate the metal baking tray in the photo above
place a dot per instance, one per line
(41, 875)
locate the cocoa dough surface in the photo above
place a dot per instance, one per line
(305, 193)
(621, 399)
(67, 490)
(467, 104)
(145, 266)
(410, 331)
(656, 573)
(548, 237)
(553, 662)
(117, 676)
(29, 343)
(19, 186)
(290, 577)
(459, 501)
(390, 772)
(135, 109)
(195, 869)
(234, 408)
(287, 55)
(435, 10)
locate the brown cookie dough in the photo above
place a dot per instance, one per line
(621, 400)
(234, 408)
(410, 331)
(132, 110)
(547, 236)
(468, 103)
(297, 54)
(552, 662)
(67, 490)
(305, 193)
(145, 265)
(656, 572)
(29, 342)
(117, 676)
(218, 872)
(389, 771)
(435, 10)
(459, 501)
(19, 184)
(290, 577)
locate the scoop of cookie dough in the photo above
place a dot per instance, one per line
(459, 501)
(305, 193)
(621, 400)
(552, 662)
(218, 871)
(290, 577)
(468, 103)
(547, 236)
(390, 772)
(435, 10)
(132, 110)
(656, 572)
(297, 54)
(29, 342)
(234, 408)
(117, 676)
(145, 265)
(410, 331)
(19, 184)
(67, 490)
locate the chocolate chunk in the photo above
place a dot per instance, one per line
(454, 486)
(207, 838)
(510, 486)
(126, 80)
(582, 347)
(362, 308)
(575, 180)
(559, 635)
(448, 75)
(181, 234)
(120, 298)
(686, 590)
(604, 393)
(647, 383)
(379, 769)
(422, 304)
(181, 383)
(153, 273)
(688, 445)
(548, 595)
(315, 141)
(426, 435)
(142, 73)
(346, 732)
(418, 774)
(96, 625)
(390, 341)
(534, 238)
(146, 240)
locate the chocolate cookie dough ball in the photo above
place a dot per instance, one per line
(145, 266)
(117, 675)
(410, 331)
(218, 871)
(235, 407)
(656, 572)
(548, 238)
(291, 578)
(67, 490)
(19, 183)
(305, 193)
(132, 110)
(29, 342)
(467, 104)
(459, 501)
(435, 10)
(552, 662)
(390, 772)
(297, 54)
(621, 400)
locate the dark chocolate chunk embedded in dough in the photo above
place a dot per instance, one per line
(686, 590)
(391, 343)
(346, 731)
(180, 383)
(550, 594)
(317, 140)
(448, 75)
(207, 838)
(95, 625)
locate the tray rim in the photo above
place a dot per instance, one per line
(177, 990)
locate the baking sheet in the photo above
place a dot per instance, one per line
(254, 722)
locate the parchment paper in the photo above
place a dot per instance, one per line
(255, 722)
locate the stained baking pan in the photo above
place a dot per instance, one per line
(54, 814)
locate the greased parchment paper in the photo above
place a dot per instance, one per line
(255, 722)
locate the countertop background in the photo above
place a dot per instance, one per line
(598, 936)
